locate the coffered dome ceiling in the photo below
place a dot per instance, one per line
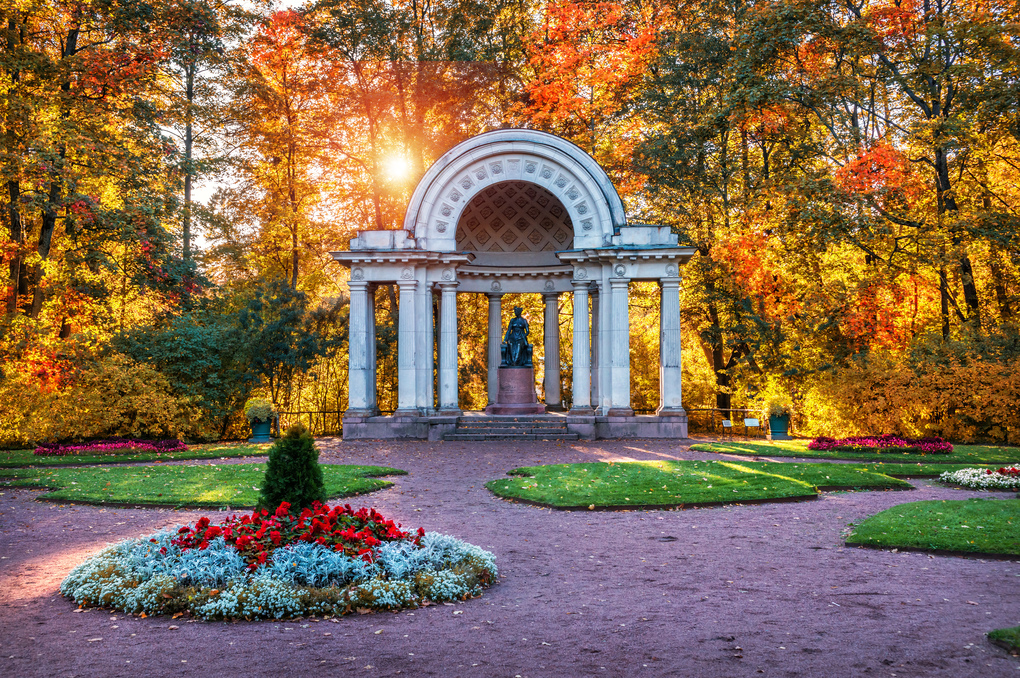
(514, 216)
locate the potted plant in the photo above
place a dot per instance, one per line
(777, 405)
(260, 413)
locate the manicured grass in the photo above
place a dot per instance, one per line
(674, 483)
(23, 458)
(962, 454)
(1006, 638)
(206, 485)
(968, 526)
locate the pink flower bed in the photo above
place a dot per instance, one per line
(890, 443)
(111, 446)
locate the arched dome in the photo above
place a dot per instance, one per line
(492, 159)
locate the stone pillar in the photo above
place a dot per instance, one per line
(495, 339)
(373, 401)
(448, 391)
(594, 292)
(582, 366)
(406, 338)
(358, 362)
(620, 347)
(424, 348)
(670, 397)
(552, 349)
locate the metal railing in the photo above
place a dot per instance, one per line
(710, 420)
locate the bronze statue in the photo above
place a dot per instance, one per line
(515, 348)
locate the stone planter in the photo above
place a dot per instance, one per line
(779, 427)
(260, 431)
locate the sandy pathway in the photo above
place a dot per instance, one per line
(734, 591)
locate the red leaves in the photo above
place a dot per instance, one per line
(880, 172)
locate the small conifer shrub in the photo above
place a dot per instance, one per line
(293, 474)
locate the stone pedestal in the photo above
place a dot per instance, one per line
(516, 393)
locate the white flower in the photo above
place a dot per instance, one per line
(980, 478)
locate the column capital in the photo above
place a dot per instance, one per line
(447, 284)
(360, 285)
(619, 283)
(494, 295)
(669, 281)
(581, 285)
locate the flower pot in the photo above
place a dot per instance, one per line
(260, 431)
(779, 427)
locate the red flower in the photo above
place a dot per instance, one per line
(275, 536)
(283, 510)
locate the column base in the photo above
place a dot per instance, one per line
(449, 412)
(671, 412)
(361, 412)
(583, 411)
(406, 412)
(620, 412)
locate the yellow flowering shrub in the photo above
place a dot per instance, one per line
(964, 398)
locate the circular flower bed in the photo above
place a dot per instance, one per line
(883, 443)
(1006, 478)
(269, 566)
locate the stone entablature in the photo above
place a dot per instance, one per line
(603, 254)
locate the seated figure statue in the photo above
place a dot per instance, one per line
(515, 347)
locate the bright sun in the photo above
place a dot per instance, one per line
(396, 167)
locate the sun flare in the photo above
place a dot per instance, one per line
(396, 167)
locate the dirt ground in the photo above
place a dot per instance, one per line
(756, 590)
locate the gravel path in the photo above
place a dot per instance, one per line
(734, 591)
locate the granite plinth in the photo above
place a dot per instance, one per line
(516, 394)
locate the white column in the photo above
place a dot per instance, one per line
(594, 293)
(448, 391)
(582, 367)
(357, 353)
(371, 393)
(670, 400)
(605, 348)
(620, 347)
(406, 392)
(424, 348)
(552, 349)
(495, 339)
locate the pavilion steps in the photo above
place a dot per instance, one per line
(510, 428)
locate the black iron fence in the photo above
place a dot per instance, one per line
(734, 421)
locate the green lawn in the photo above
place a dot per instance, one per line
(1006, 638)
(674, 483)
(970, 455)
(23, 458)
(973, 526)
(206, 485)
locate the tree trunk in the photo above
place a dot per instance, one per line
(17, 237)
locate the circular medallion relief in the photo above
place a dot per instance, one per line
(671, 270)
(357, 274)
(581, 273)
(496, 287)
(448, 274)
(407, 274)
(620, 270)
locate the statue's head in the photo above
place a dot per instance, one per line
(517, 311)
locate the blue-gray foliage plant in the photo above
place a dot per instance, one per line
(154, 576)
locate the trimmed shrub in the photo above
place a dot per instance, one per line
(293, 475)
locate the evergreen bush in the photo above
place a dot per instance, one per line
(293, 474)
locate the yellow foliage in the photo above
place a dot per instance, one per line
(964, 399)
(114, 396)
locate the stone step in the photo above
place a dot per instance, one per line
(484, 430)
(510, 436)
(513, 425)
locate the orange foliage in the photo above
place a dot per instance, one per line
(895, 21)
(880, 172)
(585, 55)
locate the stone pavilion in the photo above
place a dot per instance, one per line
(510, 211)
